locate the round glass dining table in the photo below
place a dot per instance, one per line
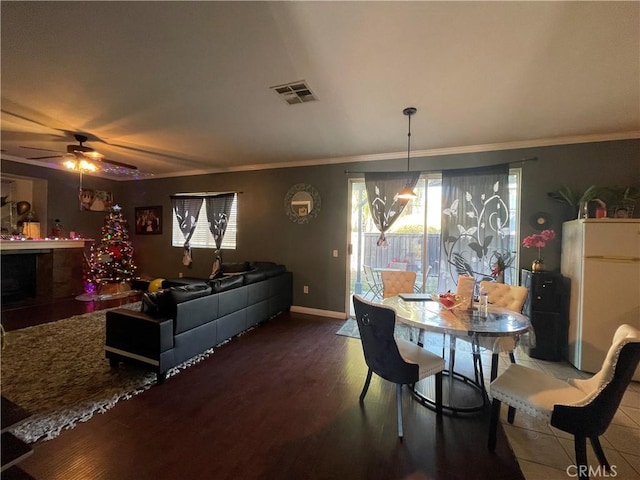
(467, 325)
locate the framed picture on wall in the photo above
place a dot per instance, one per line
(95, 200)
(148, 220)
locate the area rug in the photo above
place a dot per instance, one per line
(349, 329)
(59, 373)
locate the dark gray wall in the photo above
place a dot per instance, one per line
(265, 232)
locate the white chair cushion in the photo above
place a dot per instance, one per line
(506, 296)
(533, 391)
(592, 386)
(428, 363)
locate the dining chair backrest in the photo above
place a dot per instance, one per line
(582, 407)
(625, 334)
(399, 265)
(511, 297)
(604, 391)
(376, 324)
(394, 283)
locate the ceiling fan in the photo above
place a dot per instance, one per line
(76, 154)
(21, 116)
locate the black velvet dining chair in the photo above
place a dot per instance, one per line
(582, 407)
(394, 359)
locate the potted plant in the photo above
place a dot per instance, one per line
(539, 241)
(577, 201)
(621, 200)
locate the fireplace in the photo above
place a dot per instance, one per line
(18, 277)
(32, 272)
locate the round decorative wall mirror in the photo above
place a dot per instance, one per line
(302, 203)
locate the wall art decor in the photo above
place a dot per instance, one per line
(95, 200)
(302, 203)
(148, 220)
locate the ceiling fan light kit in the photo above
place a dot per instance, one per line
(80, 165)
(82, 158)
(407, 193)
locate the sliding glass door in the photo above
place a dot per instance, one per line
(414, 240)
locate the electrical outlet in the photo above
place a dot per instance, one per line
(335, 253)
(180, 274)
(305, 289)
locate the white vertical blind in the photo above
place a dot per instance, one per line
(202, 237)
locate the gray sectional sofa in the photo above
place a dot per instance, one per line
(191, 316)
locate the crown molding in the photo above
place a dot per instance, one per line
(488, 147)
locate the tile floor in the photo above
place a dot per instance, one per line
(545, 453)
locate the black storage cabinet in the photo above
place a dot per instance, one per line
(544, 306)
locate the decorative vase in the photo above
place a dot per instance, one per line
(500, 277)
(538, 265)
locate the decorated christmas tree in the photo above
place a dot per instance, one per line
(111, 266)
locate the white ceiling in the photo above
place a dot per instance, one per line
(189, 81)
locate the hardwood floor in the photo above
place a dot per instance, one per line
(29, 313)
(279, 402)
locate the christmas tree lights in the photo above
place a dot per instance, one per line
(111, 262)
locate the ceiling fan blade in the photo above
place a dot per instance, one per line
(40, 149)
(24, 137)
(118, 164)
(42, 158)
(69, 135)
(26, 119)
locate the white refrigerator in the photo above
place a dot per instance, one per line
(601, 258)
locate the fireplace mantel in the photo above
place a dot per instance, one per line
(25, 245)
(41, 269)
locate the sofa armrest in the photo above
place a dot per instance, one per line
(138, 335)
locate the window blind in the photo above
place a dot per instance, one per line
(202, 237)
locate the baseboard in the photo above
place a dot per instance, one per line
(318, 312)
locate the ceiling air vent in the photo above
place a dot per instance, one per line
(295, 92)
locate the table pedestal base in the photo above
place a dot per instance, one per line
(460, 394)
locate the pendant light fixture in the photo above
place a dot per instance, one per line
(407, 193)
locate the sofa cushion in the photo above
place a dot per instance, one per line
(182, 281)
(188, 292)
(155, 304)
(223, 284)
(163, 303)
(261, 265)
(254, 276)
(270, 269)
(235, 267)
(274, 271)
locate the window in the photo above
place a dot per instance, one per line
(202, 237)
